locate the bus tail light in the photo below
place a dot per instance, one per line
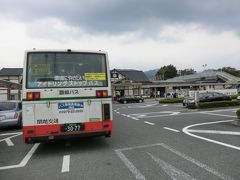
(101, 93)
(33, 96)
(106, 112)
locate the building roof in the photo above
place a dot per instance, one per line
(206, 76)
(134, 75)
(11, 71)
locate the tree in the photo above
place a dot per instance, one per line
(166, 72)
(231, 70)
(186, 72)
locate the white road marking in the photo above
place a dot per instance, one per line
(157, 114)
(173, 172)
(16, 133)
(66, 163)
(165, 105)
(198, 163)
(214, 114)
(25, 159)
(124, 115)
(214, 132)
(118, 112)
(8, 139)
(149, 123)
(9, 142)
(185, 130)
(138, 175)
(135, 118)
(171, 129)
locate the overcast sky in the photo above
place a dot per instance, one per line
(137, 34)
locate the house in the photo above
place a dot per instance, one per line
(10, 83)
(128, 82)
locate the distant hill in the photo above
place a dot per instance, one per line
(151, 73)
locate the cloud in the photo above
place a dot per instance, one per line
(121, 16)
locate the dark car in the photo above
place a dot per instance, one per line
(10, 113)
(207, 97)
(130, 99)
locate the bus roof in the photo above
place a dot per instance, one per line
(66, 50)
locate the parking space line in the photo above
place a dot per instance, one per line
(66, 163)
(10, 137)
(214, 132)
(214, 114)
(196, 162)
(149, 123)
(25, 159)
(170, 129)
(6, 134)
(170, 170)
(138, 175)
(9, 142)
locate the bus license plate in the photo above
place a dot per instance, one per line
(72, 127)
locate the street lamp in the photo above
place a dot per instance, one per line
(204, 66)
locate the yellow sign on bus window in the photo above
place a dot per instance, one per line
(95, 76)
(40, 69)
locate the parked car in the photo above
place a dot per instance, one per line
(130, 99)
(207, 97)
(10, 113)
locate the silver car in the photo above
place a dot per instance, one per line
(10, 113)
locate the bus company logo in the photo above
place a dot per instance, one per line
(71, 105)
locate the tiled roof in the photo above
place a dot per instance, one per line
(135, 75)
(11, 71)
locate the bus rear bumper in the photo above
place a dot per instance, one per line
(44, 133)
(36, 139)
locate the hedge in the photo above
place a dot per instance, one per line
(214, 104)
(234, 96)
(171, 100)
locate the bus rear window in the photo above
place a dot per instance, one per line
(59, 70)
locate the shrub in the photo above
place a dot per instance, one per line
(214, 104)
(238, 113)
(171, 100)
(234, 96)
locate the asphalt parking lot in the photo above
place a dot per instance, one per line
(150, 141)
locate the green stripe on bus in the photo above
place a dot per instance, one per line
(67, 98)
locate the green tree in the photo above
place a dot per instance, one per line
(231, 70)
(166, 72)
(186, 72)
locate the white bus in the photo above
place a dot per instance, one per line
(66, 94)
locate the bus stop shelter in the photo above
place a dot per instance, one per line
(11, 86)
